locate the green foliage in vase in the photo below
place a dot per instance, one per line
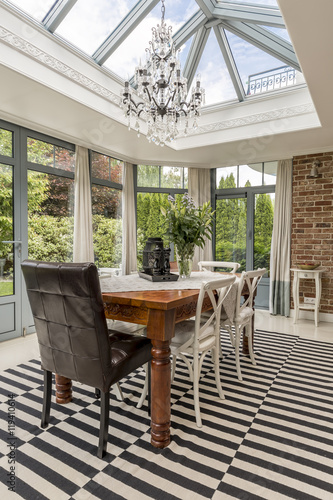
(187, 225)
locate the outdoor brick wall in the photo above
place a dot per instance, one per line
(312, 223)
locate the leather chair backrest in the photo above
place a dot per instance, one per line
(70, 322)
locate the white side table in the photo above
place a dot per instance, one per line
(302, 274)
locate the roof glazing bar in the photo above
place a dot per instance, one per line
(189, 28)
(257, 14)
(265, 40)
(57, 13)
(230, 62)
(194, 55)
(124, 28)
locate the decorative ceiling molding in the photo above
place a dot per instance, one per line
(56, 65)
(61, 68)
(276, 114)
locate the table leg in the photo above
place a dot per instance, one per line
(160, 329)
(63, 389)
(160, 394)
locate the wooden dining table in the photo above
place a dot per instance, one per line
(159, 311)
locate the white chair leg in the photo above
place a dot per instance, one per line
(248, 333)
(119, 392)
(237, 342)
(217, 373)
(196, 375)
(145, 388)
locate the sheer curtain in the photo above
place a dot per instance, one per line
(279, 301)
(199, 190)
(83, 250)
(129, 222)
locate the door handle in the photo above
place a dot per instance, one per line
(19, 242)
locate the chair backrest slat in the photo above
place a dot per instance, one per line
(251, 280)
(204, 264)
(221, 287)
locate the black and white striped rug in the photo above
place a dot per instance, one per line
(271, 438)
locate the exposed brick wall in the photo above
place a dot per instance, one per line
(312, 223)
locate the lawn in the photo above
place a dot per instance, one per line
(6, 288)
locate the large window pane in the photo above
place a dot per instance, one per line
(226, 177)
(263, 227)
(173, 177)
(270, 171)
(162, 177)
(6, 230)
(50, 217)
(50, 155)
(150, 221)
(107, 226)
(148, 176)
(6, 142)
(231, 230)
(106, 168)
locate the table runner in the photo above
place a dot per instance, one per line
(133, 283)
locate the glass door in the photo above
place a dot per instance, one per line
(231, 229)
(10, 239)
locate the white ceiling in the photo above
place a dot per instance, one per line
(43, 87)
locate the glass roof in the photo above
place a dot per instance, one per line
(95, 28)
(87, 24)
(35, 8)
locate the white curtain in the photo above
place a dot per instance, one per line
(279, 301)
(129, 222)
(199, 189)
(83, 250)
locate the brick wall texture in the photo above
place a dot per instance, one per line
(312, 223)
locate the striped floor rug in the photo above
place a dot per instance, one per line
(271, 438)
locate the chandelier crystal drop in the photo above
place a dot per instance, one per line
(163, 91)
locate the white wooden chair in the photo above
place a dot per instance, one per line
(243, 315)
(218, 264)
(199, 336)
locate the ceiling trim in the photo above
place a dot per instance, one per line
(55, 64)
(275, 114)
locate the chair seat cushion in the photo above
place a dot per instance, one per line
(127, 352)
(185, 331)
(245, 315)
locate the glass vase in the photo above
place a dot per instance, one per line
(184, 262)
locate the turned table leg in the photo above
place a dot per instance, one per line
(160, 394)
(63, 389)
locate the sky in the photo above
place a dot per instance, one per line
(90, 21)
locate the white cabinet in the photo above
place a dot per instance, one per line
(314, 275)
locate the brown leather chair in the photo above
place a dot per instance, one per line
(73, 337)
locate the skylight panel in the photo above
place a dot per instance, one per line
(215, 77)
(88, 23)
(37, 9)
(127, 56)
(259, 71)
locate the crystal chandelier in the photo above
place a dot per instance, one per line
(163, 91)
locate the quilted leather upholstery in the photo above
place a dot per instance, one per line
(71, 328)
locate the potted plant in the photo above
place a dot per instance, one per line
(187, 227)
